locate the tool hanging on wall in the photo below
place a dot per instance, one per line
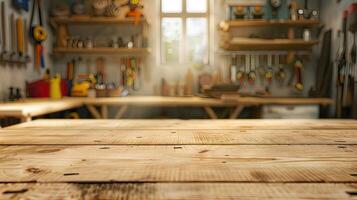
(247, 67)
(233, 69)
(342, 64)
(130, 72)
(101, 70)
(26, 43)
(70, 70)
(240, 73)
(275, 4)
(137, 83)
(352, 26)
(252, 75)
(13, 55)
(298, 73)
(20, 38)
(38, 34)
(4, 53)
(122, 72)
(280, 74)
(269, 71)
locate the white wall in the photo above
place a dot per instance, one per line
(12, 76)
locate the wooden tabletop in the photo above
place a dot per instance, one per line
(157, 101)
(37, 107)
(198, 101)
(176, 159)
(28, 108)
(276, 100)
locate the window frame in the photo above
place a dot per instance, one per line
(184, 15)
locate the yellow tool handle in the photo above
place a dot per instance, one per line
(20, 36)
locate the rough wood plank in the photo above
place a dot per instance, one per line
(238, 163)
(171, 137)
(174, 191)
(290, 124)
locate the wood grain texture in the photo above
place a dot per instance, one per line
(281, 124)
(214, 163)
(175, 191)
(55, 136)
(178, 159)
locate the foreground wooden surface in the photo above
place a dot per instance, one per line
(174, 159)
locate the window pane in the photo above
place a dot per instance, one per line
(171, 6)
(197, 40)
(196, 6)
(171, 37)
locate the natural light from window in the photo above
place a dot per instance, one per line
(184, 30)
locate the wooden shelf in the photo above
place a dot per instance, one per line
(242, 44)
(102, 50)
(227, 25)
(94, 20)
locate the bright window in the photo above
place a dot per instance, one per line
(184, 31)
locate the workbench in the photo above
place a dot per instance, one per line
(177, 159)
(29, 108)
(238, 103)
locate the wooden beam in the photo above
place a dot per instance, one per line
(236, 112)
(210, 112)
(121, 112)
(94, 112)
(104, 111)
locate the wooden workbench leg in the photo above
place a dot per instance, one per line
(236, 112)
(104, 111)
(26, 119)
(210, 112)
(121, 112)
(94, 112)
